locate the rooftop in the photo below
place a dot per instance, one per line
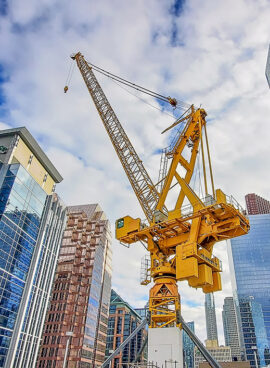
(30, 141)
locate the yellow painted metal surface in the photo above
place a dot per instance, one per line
(186, 267)
(126, 226)
(204, 277)
(216, 284)
(221, 197)
(27, 159)
(164, 303)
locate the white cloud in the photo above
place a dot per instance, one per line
(215, 57)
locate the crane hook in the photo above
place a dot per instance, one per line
(65, 89)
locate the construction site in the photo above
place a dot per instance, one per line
(145, 244)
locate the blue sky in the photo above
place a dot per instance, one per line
(207, 53)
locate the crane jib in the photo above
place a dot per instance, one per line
(139, 179)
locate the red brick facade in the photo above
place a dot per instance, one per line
(256, 205)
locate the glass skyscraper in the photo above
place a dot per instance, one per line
(210, 315)
(231, 328)
(123, 320)
(31, 225)
(249, 258)
(188, 347)
(255, 339)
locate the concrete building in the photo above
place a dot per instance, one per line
(249, 259)
(231, 329)
(267, 69)
(122, 321)
(220, 353)
(188, 347)
(31, 225)
(256, 204)
(210, 315)
(76, 323)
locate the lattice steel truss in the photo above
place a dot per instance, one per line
(139, 179)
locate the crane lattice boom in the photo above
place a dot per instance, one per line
(139, 179)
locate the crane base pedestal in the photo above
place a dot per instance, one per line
(165, 347)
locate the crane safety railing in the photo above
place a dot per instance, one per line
(231, 200)
(209, 200)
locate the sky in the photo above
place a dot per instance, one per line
(209, 53)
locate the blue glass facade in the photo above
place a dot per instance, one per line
(254, 332)
(249, 257)
(22, 203)
(188, 347)
(22, 206)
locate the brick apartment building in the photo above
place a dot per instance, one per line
(256, 205)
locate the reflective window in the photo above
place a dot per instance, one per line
(21, 206)
(251, 263)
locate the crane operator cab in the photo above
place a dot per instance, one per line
(125, 226)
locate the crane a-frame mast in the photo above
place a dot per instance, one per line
(131, 162)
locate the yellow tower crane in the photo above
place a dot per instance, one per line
(180, 240)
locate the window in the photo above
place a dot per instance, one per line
(30, 159)
(120, 223)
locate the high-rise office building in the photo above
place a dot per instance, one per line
(220, 353)
(75, 330)
(255, 338)
(231, 328)
(188, 347)
(256, 204)
(123, 320)
(249, 258)
(267, 69)
(210, 315)
(31, 224)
